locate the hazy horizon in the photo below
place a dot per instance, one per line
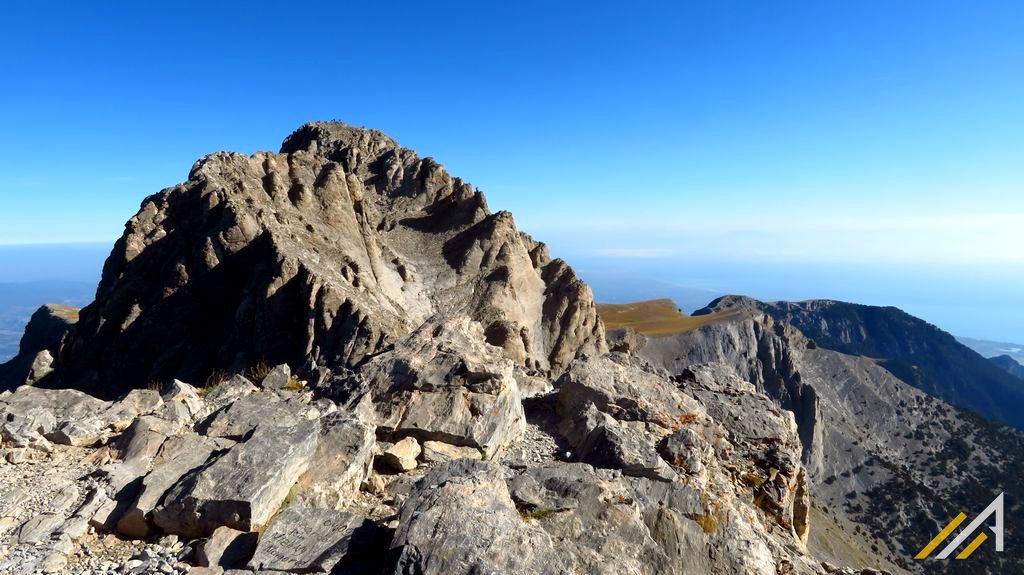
(983, 302)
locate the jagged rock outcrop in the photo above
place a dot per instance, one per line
(40, 344)
(319, 256)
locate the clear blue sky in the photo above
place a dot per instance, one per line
(799, 129)
(801, 132)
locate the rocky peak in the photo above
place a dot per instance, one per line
(319, 256)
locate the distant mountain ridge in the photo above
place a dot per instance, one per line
(910, 348)
(1009, 365)
(992, 349)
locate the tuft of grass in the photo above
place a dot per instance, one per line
(155, 386)
(536, 514)
(259, 371)
(213, 382)
(288, 499)
(707, 523)
(294, 384)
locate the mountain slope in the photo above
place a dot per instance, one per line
(1009, 365)
(911, 349)
(888, 464)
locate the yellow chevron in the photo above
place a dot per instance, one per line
(974, 545)
(942, 537)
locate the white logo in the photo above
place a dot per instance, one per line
(994, 508)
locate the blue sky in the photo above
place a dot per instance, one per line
(816, 132)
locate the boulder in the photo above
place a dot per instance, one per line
(245, 486)
(402, 455)
(445, 383)
(614, 412)
(182, 393)
(316, 540)
(225, 547)
(240, 417)
(460, 519)
(278, 378)
(439, 452)
(40, 344)
(223, 393)
(343, 459)
(177, 457)
(85, 432)
(627, 446)
(28, 429)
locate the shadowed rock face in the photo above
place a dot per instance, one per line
(42, 338)
(318, 256)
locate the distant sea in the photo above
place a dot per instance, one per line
(980, 302)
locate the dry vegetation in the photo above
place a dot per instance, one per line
(655, 317)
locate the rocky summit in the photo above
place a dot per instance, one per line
(320, 256)
(336, 359)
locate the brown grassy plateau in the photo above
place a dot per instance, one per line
(654, 317)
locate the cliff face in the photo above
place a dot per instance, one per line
(888, 464)
(318, 256)
(913, 350)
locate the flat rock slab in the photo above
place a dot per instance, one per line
(311, 540)
(242, 416)
(244, 487)
(342, 462)
(439, 452)
(177, 457)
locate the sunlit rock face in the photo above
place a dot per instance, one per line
(318, 256)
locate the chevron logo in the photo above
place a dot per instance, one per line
(994, 508)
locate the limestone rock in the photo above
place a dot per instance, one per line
(314, 540)
(85, 432)
(243, 415)
(177, 457)
(343, 460)
(319, 256)
(402, 455)
(41, 342)
(226, 548)
(444, 383)
(615, 413)
(461, 519)
(277, 378)
(243, 487)
(439, 452)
